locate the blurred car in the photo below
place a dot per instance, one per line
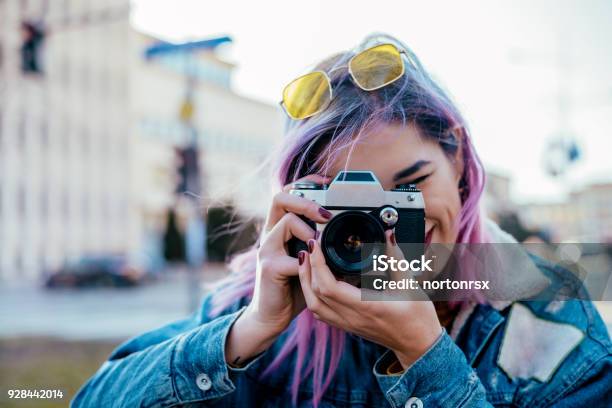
(97, 271)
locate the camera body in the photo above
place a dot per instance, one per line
(362, 212)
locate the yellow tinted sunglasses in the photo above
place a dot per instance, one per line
(370, 69)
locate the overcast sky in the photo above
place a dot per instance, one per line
(499, 59)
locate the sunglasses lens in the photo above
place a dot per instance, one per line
(377, 67)
(307, 95)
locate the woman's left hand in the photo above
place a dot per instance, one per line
(407, 327)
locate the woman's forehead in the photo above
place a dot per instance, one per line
(383, 150)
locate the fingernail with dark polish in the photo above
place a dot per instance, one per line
(311, 244)
(392, 238)
(324, 213)
(317, 233)
(301, 256)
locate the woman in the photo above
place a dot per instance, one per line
(284, 331)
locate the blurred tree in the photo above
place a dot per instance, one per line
(228, 232)
(174, 241)
(511, 223)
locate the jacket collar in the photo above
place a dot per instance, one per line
(486, 318)
(474, 326)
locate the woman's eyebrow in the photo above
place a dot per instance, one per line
(410, 170)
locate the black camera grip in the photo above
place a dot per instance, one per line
(410, 231)
(294, 245)
(410, 227)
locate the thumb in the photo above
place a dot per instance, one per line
(392, 250)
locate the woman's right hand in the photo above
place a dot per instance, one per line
(277, 296)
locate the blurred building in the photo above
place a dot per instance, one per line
(88, 130)
(586, 215)
(496, 198)
(64, 150)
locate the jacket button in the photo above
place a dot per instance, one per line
(203, 382)
(414, 402)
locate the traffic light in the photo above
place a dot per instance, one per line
(188, 171)
(33, 37)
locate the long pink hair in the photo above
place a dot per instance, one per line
(311, 146)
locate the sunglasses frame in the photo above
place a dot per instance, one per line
(350, 63)
(349, 66)
(322, 108)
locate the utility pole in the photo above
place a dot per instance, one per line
(189, 187)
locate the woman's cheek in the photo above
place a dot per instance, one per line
(442, 213)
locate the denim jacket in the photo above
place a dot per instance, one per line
(523, 354)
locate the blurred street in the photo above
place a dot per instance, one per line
(101, 313)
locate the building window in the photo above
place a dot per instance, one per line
(44, 134)
(65, 204)
(21, 132)
(64, 71)
(64, 136)
(85, 141)
(86, 208)
(42, 258)
(84, 78)
(21, 201)
(18, 262)
(44, 204)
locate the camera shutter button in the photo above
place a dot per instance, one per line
(389, 216)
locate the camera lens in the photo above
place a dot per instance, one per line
(348, 242)
(352, 243)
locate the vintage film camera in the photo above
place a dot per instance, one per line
(362, 211)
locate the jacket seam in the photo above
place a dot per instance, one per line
(580, 379)
(566, 388)
(173, 376)
(590, 324)
(469, 394)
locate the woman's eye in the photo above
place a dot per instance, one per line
(419, 179)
